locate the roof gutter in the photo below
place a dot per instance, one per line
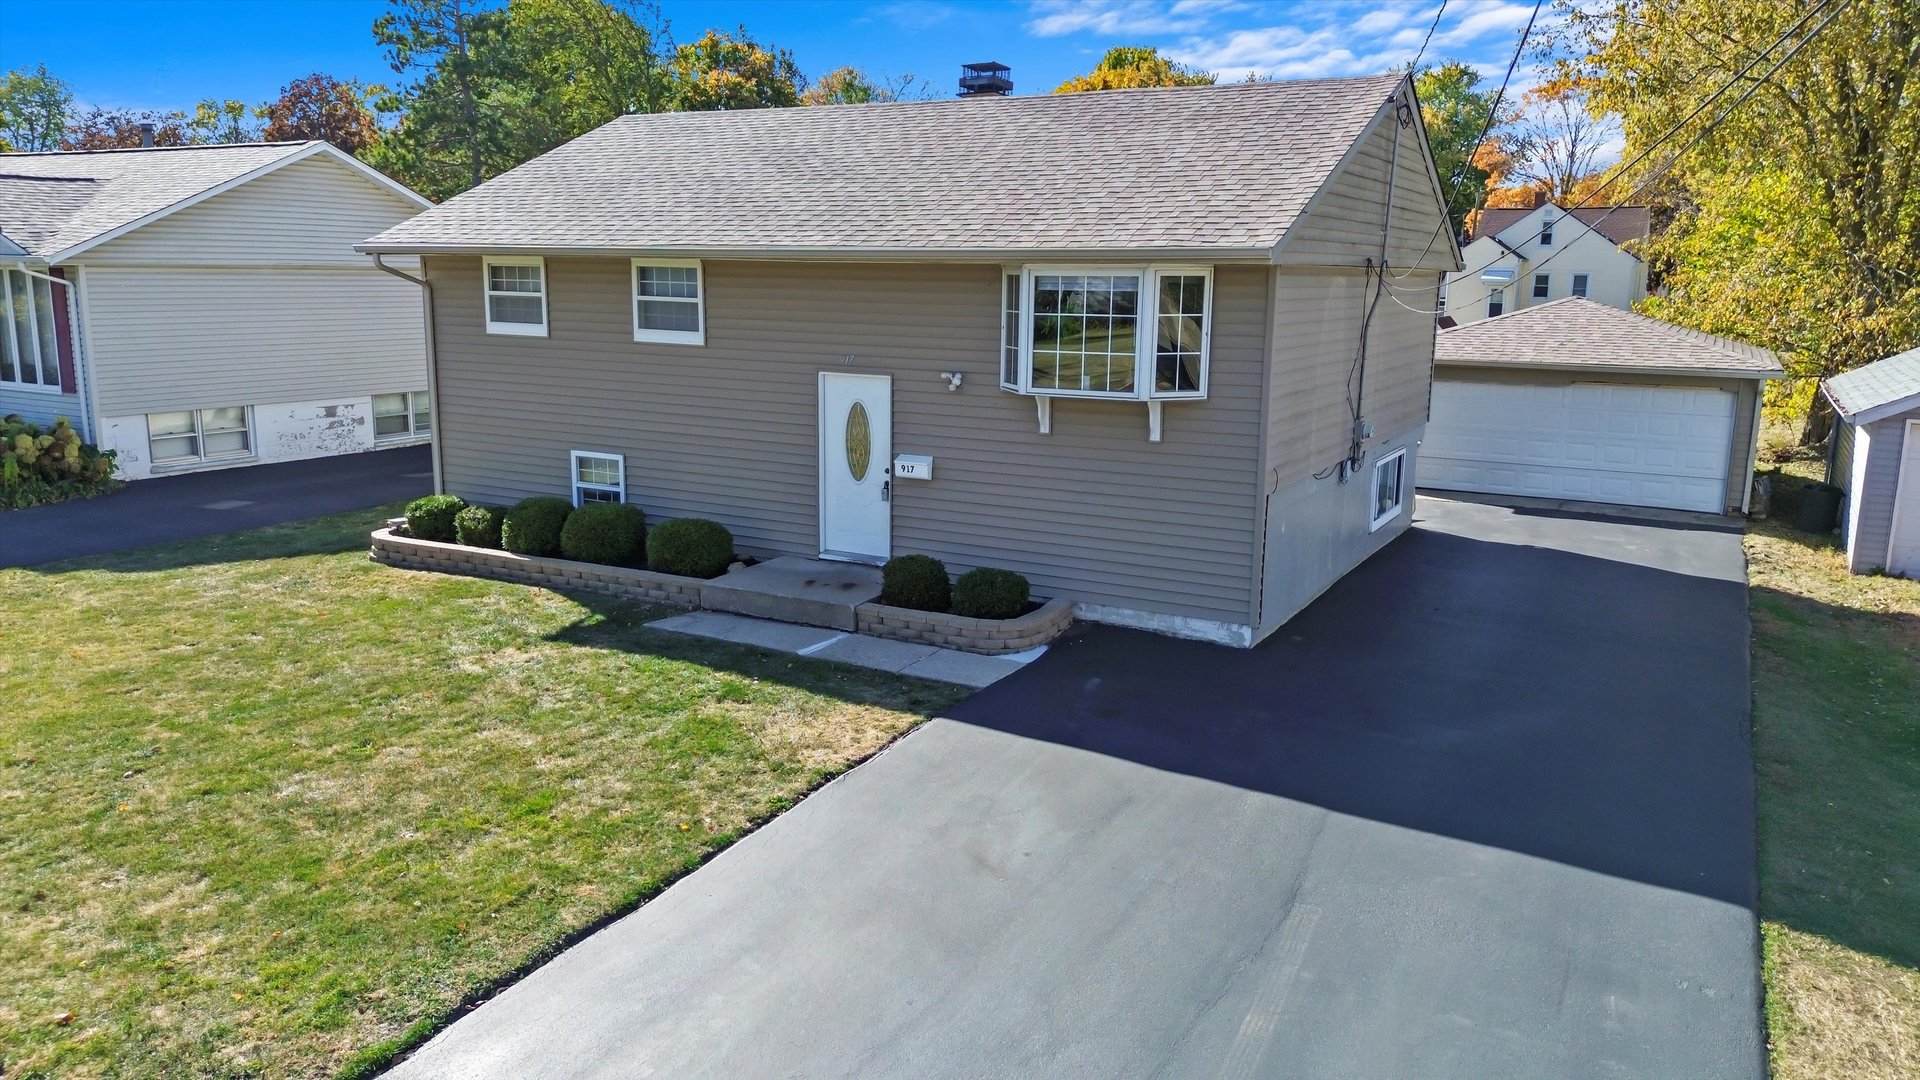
(433, 365)
(1616, 369)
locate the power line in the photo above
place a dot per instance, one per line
(1428, 40)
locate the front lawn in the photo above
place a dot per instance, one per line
(271, 809)
(1837, 745)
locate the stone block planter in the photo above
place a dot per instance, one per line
(392, 549)
(990, 637)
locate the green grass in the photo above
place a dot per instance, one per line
(273, 810)
(1837, 747)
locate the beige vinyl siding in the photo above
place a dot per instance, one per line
(1879, 479)
(198, 338)
(308, 213)
(1342, 225)
(728, 431)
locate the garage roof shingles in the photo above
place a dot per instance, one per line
(1578, 334)
(51, 202)
(1227, 167)
(1892, 381)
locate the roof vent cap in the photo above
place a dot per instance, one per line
(985, 80)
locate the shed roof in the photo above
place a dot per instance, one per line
(1882, 388)
(1222, 169)
(53, 203)
(1617, 223)
(1575, 334)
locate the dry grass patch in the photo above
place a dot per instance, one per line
(274, 810)
(1837, 747)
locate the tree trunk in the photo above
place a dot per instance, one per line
(1819, 423)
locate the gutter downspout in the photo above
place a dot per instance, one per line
(433, 366)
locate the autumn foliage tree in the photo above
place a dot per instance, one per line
(1126, 67)
(733, 71)
(322, 107)
(119, 129)
(852, 86)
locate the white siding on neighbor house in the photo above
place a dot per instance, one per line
(1615, 277)
(1093, 512)
(1877, 451)
(202, 338)
(39, 406)
(1342, 226)
(309, 213)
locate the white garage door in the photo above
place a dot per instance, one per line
(1595, 442)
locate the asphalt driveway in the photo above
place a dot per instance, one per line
(192, 505)
(1486, 809)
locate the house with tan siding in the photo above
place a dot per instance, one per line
(1138, 345)
(203, 307)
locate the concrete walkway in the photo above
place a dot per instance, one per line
(192, 505)
(1485, 809)
(861, 650)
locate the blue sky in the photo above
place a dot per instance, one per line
(168, 54)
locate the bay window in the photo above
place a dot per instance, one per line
(29, 343)
(1121, 333)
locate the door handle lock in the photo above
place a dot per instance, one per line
(886, 491)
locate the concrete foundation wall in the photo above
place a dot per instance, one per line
(286, 431)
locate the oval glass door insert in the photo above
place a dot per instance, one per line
(859, 442)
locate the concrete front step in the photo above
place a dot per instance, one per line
(795, 590)
(880, 654)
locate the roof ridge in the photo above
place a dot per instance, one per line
(151, 149)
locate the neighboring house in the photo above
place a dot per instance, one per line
(1522, 257)
(1577, 400)
(1876, 460)
(203, 307)
(1119, 341)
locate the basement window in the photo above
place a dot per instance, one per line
(401, 416)
(598, 478)
(516, 296)
(1389, 488)
(188, 436)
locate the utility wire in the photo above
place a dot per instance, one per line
(1428, 40)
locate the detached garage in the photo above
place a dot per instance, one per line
(1876, 460)
(1581, 401)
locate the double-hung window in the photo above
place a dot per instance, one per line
(1389, 488)
(1542, 286)
(181, 438)
(1496, 302)
(598, 478)
(1581, 283)
(29, 350)
(401, 416)
(1126, 333)
(1546, 233)
(669, 300)
(516, 296)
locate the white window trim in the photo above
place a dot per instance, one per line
(1572, 276)
(1147, 333)
(487, 263)
(1491, 294)
(413, 429)
(1400, 502)
(1000, 357)
(1547, 231)
(671, 337)
(573, 474)
(1533, 285)
(200, 441)
(32, 331)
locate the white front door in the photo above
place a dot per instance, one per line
(856, 451)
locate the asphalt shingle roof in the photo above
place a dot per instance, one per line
(1225, 167)
(1579, 334)
(50, 202)
(1617, 223)
(1870, 386)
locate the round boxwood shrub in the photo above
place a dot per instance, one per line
(691, 547)
(915, 581)
(987, 593)
(533, 526)
(430, 517)
(479, 526)
(611, 533)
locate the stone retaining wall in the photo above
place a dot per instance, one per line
(619, 581)
(988, 636)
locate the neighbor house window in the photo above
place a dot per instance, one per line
(516, 296)
(598, 478)
(1579, 286)
(29, 353)
(1546, 233)
(1542, 286)
(1496, 302)
(401, 416)
(177, 438)
(1441, 298)
(667, 302)
(1389, 488)
(1128, 333)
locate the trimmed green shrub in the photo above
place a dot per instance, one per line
(430, 517)
(533, 526)
(479, 526)
(987, 593)
(692, 547)
(41, 465)
(611, 533)
(915, 581)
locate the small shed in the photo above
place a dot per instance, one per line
(1876, 460)
(1583, 401)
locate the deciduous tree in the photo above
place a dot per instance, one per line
(34, 109)
(1454, 108)
(852, 86)
(228, 121)
(323, 107)
(1126, 66)
(119, 129)
(733, 71)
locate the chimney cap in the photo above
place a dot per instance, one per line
(988, 78)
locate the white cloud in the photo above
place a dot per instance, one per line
(1127, 18)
